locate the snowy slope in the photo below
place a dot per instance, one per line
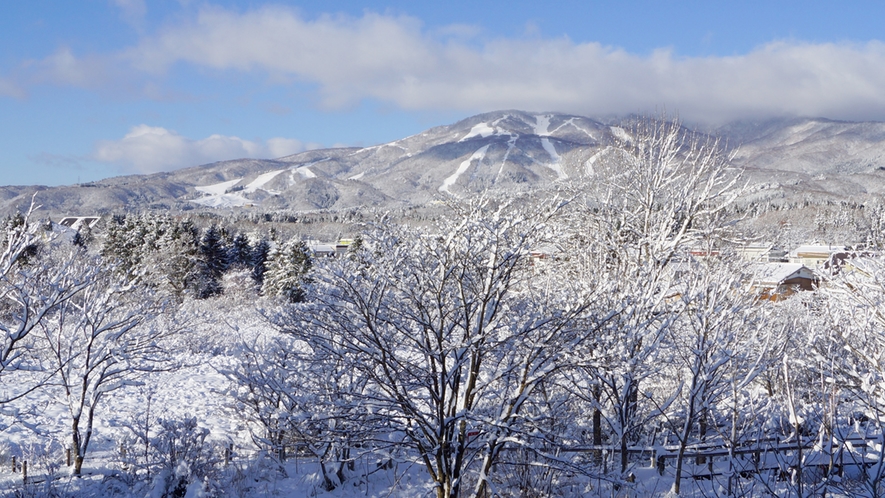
(782, 159)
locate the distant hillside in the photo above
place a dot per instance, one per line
(784, 161)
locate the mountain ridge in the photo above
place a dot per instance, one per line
(783, 160)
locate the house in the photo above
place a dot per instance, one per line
(322, 250)
(544, 253)
(342, 246)
(329, 250)
(761, 253)
(78, 222)
(775, 281)
(816, 256)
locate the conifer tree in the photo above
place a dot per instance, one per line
(240, 254)
(286, 271)
(258, 260)
(213, 262)
(124, 242)
(175, 261)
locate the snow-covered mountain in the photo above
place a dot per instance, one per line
(814, 159)
(784, 160)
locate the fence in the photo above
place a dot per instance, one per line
(753, 456)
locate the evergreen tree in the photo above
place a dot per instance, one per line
(18, 224)
(84, 236)
(171, 260)
(213, 262)
(78, 240)
(125, 241)
(286, 271)
(240, 254)
(258, 260)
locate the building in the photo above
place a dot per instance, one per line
(78, 222)
(775, 281)
(761, 253)
(817, 256)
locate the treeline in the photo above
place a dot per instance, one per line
(173, 255)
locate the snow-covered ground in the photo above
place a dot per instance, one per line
(542, 129)
(305, 172)
(261, 180)
(196, 388)
(219, 195)
(216, 196)
(218, 188)
(481, 130)
(479, 155)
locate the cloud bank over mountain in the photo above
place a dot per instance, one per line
(395, 60)
(94, 90)
(151, 149)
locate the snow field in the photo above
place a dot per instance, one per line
(479, 155)
(218, 188)
(482, 130)
(217, 195)
(542, 129)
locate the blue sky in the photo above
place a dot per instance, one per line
(98, 88)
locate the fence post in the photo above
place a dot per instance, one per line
(68, 456)
(14, 470)
(25, 471)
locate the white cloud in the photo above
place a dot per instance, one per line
(9, 88)
(395, 60)
(132, 11)
(66, 69)
(280, 147)
(149, 149)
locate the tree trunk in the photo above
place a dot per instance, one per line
(702, 436)
(78, 450)
(597, 425)
(624, 460)
(683, 442)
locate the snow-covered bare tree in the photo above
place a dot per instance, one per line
(450, 332)
(852, 353)
(32, 286)
(645, 203)
(616, 359)
(302, 400)
(99, 341)
(714, 338)
(661, 190)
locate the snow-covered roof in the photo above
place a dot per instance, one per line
(546, 249)
(322, 248)
(816, 250)
(776, 273)
(76, 222)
